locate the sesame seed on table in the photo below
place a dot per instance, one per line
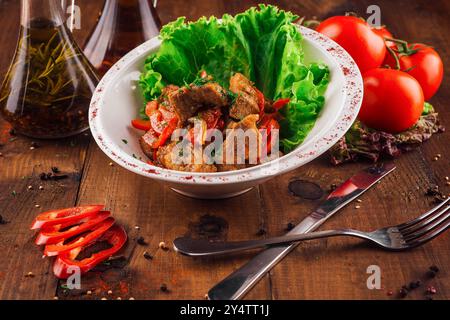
(151, 271)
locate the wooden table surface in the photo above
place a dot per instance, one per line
(322, 269)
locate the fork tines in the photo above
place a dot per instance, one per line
(427, 226)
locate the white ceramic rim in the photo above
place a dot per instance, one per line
(352, 90)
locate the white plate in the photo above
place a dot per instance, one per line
(117, 101)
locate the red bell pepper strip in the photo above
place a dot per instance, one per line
(269, 124)
(82, 240)
(64, 216)
(280, 103)
(166, 133)
(115, 236)
(141, 124)
(53, 234)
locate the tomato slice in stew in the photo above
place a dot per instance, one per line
(85, 238)
(64, 216)
(63, 266)
(61, 232)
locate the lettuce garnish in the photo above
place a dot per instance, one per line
(263, 44)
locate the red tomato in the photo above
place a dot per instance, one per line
(393, 100)
(424, 64)
(355, 35)
(384, 33)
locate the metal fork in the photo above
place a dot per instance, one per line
(396, 238)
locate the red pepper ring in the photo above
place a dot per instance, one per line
(96, 232)
(52, 235)
(64, 216)
(115, 236)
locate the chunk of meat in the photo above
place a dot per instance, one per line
(165, 93)
(146, 142)
(187, 101)
(246, 102)
(166, 155)
(251, 131)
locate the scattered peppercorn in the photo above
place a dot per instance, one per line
(29, 275)
(162, 245)
(55, 170)
(290, 226)
(110, 292)
(333, 187)
(415, 284)
(431, 290)
(141, 241)
(148, 256)
(434, 268)
(34, 145)
(261, 232)
(164, 288)
(403, 292)
(2, 221)
(131, 298)
(50, 176)
(12, 132)
(432, 191)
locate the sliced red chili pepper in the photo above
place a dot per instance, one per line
(280, 103)
(53, 234)
(115, 236)
(151, 107)
(166, 133)
(141, 124)
(64, 216)
(82, 240)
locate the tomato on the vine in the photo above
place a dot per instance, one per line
(393, 100)
(356, 36)
(385, 34)
(420, 61)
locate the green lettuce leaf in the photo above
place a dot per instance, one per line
(261, 43)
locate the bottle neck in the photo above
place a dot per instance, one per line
(41, 10)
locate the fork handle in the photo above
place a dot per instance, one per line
(202, 247)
